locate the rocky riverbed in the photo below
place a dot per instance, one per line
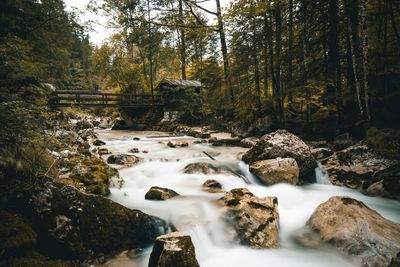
(197, 197)
(244, 221)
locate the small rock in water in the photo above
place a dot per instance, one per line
(173, 250)
(136, 138)
(103, 151)
(212, 186)
(145, 151)
(160, 193)
(200, 167)
(98, 142)
(134, 150)
(123, 159)
(177, 144)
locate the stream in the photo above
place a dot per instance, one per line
(196, 212)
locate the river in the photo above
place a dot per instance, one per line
(196, 212)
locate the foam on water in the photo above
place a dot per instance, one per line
(196, 212)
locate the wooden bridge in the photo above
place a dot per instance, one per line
(72, 98)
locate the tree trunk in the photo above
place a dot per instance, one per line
(278, 52)
(305, 60)
(256, 67)
(183, 44)
(364, 49)
(224, 50)
(150, 51)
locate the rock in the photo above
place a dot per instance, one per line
(212, 139)
(272, 171)
(16, 236)
(85, 134)
(256, 220)
(80, 226)
(318, 144)
(358, 166)
(98, 142)
(248, 142)
(145, 151)
(119, 124)
(376, 190)
(106, 123)
(175, 249)
(123, 159)
(134, 150)
(135, 138)
(321, 153)
(83, 125)
(342, 141)
(356, 230)
(159, 193)
(89, 174)
(212, 186)
(177, 144)
(385, 142)
(285, 145)
(103, 151)
(200, 167)
(226, 142)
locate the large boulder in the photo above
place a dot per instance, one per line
(359, 166)
(354, 229)
(174, 249)
(282, 144)
(256, 220)
(160, 193)
(79, 226)
(273, 171)
(123, 159)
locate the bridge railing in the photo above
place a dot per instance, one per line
(66, 98)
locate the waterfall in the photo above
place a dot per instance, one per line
(322, 175)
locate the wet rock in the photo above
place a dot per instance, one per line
(119, 124)
(98, 142)
(85, 134)
(256, 220)
(318, 144)
(359, 166)
(282, 144)
(103, 151)
(160, 193)
(174, 249)
(134, 150)
(279, 170)
(321, 153)
(123, 159)
(355, 230)
(226, 142)
(177, 144)
(80, 226)
(200, 167)
(376, 190)
(248, 142)
(135, 138)
(212, 140)
(145, 151)
(106, 123)
(212, 186)
(342, 141)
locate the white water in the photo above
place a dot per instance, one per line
(195, 212)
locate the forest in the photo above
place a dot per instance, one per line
(295, 100)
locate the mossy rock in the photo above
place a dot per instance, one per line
(16, 236)
(91, 171)
(34, 260)
(81, 226)
(385, 142)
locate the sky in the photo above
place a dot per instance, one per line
(100, 32)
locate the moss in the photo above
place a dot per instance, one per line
(16, 236)
(35, 260)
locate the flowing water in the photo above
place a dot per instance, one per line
(196, 212)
